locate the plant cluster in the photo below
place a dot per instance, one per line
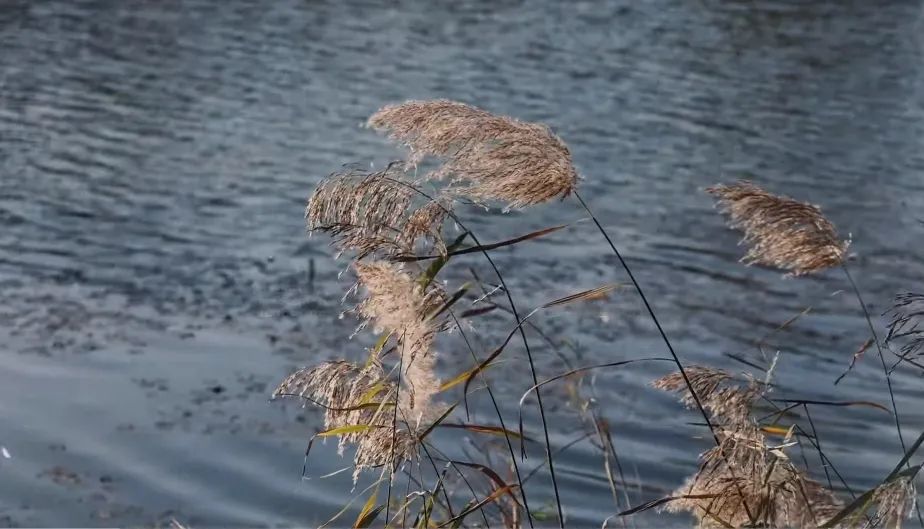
(385, 404)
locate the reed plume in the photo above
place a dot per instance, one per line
(487, 156)
(906, 317)
(354, 396)
(371, 213)
(894, 501)
(398, 305)
(782, 232)
(715, 391)
(743, 481)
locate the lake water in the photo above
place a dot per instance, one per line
(155, 158)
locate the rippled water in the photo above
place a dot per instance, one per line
(155, 158)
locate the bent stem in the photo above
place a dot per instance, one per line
(654, 318)
(532, 369)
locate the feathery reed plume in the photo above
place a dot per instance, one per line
(399, 305)
(494, 157)
(783, 233)
(371, 213)
(906, 317)
(354, 396)
(715, 391)
(742, 481)
(894, 501)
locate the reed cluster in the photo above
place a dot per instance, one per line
(384, 404)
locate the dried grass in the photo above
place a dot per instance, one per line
(894, 501)
(906, 317)
(782, 232)
(398, 305)
(353, 395)
(371, 213)
(743, 481)
(715, 391)
(489, 157)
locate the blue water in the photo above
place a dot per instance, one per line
(155, 158)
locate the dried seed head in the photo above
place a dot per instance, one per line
(906, 318)
(782, 232)
(720, 398)
(371, 213)
(744, 483)
(894, 501)
(490, 157)
(397, 304)
(424, 224)
(352, 396)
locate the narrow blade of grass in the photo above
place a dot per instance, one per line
(348, 429)
(486, 247)
(594, 293)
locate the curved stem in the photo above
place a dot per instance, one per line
(532, 369)
(667, 342)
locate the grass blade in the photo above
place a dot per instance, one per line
(478, 248)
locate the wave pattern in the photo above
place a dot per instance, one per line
(155, 158)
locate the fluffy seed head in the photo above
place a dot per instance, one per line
(715, 390)
(351, 396)
(490, 157)
(395, 303)
(894, 501)
(743, 482)
(371, 213)
(782, 232)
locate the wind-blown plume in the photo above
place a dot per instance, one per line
(743, 481)
(371, 213)
(492, 157)
(715, 390)
(396, 304)
(894, 501)
(907, 317)
(354, 396)
(782, 232)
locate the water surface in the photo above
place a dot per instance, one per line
(155, 158)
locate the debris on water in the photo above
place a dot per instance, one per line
(5, 453)
(218, 389)
(62, 476)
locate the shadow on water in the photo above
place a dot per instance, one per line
(155, 158)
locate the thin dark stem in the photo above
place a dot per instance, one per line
(500, 417)
(885, 371)
(438, 483)
(825, 460)
(465, 480)
(394, 431)
(532, 369)
(654, 318)
(824, 467)
(667, 342)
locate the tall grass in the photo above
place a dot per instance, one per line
(384, 404)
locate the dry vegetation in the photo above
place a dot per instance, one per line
(385, 403)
